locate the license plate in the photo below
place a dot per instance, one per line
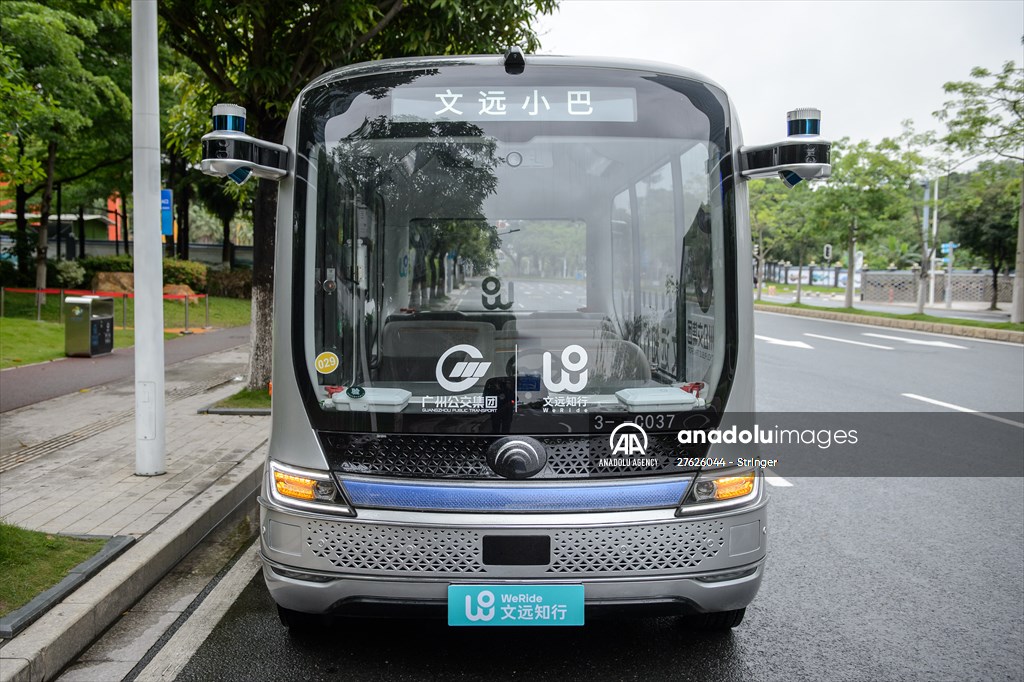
(515, 605)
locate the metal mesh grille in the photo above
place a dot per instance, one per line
(631, 550)
(394, 549)
(465, 457)
(636, 548)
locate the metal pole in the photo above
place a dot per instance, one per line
(186, 313)
(2, 292)
(39, 305)
(207, 310)
(124, 311)
(60, 307)
(926, 262)
(150, 434)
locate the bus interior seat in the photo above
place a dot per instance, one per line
(410, 349)
(608, 360)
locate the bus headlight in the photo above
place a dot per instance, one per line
(305, 488)
(719, 489)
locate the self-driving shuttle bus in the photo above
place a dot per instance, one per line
(504, 284)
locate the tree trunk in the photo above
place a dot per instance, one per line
(995, 286)
(22, 248)
(850, 263)
(44, 219)
(799, 277)
(182, 199)
(225, 251)
(260, 335)
(760, 263)
(1017, 307)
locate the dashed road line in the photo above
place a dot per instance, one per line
(781, 342)
(960, 408)
(773, 479)
(855, 343)
(917, 342)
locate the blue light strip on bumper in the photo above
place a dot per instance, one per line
(520, 498)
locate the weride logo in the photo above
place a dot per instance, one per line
(574, 361)
(463, 374)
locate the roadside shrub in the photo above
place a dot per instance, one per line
(94, 265)
(235, 283)
(69, 274)
(175, 271)
(185, 272)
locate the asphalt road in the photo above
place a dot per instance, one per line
(21, 386)
(898, 578)
(868, 579)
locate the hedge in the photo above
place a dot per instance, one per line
(175, 271)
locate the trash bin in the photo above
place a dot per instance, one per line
(88, 325)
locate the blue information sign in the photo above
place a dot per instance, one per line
(166, 212)
(515, 605)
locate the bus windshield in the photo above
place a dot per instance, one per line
(548, 243)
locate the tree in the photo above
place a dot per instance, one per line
(260, 54)
(77, 120)
(868, 194)
(983, 213)
(986, 116)
(765, 198)
(795, 226)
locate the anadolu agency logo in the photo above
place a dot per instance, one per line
(628, 443)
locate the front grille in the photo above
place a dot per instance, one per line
(645, 548)
(394, 549)
(381, 549)
(465, 457)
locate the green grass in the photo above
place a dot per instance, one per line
(247, 399)
(804, 289)
(1018, 327)
(32, 562)
(224, 312)
(24, 341)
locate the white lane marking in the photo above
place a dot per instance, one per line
(960, 408)
(855, 343)
(819, 320)
(917, 342)
(178, 650)
(780, 342)
(773, 479)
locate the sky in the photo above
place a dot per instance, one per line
(867, 65)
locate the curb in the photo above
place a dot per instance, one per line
(236, 411)
(49, 644)
(983, 333)
(15, 622)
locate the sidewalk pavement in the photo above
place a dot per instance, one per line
(67, 465)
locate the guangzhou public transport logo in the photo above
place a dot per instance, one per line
(464, 373)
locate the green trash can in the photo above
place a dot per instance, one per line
(88, 326)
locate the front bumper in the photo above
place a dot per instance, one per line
(652, 560)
